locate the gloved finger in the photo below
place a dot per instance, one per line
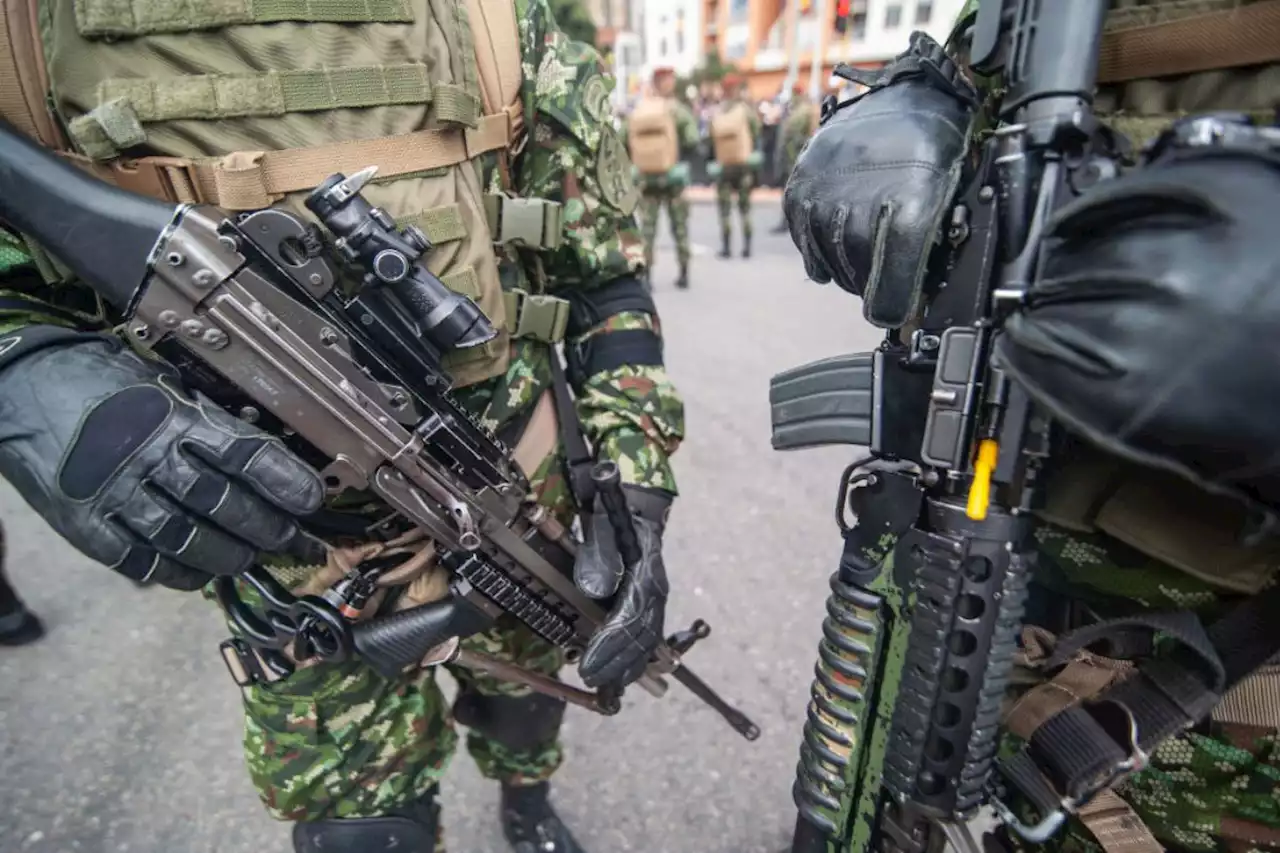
(618, 655)
(250, 455)
(181, 537)
(628, 637)
(231, 506)
(810, 245)
(598, 568)
(143, 564)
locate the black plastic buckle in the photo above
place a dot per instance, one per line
(244, 666)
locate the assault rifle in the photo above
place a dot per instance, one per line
(904, 722)
(251, 311)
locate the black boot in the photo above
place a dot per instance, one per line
(725, 250)
(682, 283)
(18, 625)
(531, 825)
(746, 246)
(19, 628)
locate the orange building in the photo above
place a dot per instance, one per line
(758, 36)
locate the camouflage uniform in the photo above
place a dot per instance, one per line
(1217, 788)
(796, 131)
(738, 180)
(340, 741)
(658, 191)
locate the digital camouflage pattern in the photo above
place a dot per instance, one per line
(739, 181)
(652, 202)
(796, 130)
(340, 741)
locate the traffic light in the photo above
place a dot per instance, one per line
(842, 16)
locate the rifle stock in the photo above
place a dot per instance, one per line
(106, 234)
(904, 721)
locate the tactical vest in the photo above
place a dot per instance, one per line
(1162, 60)
(652, 137)
(731, 135)
(252, 103)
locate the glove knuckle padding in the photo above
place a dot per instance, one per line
(133, 471)
(878, 180)
(1150, 329)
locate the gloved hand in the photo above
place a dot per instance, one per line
(619, 651)
(142, 475)
(870, 191)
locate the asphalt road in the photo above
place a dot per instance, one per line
(121, 730)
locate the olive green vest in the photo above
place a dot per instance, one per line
(251, 103)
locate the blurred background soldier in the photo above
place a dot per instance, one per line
(735, 134)
(801, 123)
(662, 135)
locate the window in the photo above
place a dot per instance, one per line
(858, 26)
(680, 31)
(662, 47)
(924, 12)
(892, 16)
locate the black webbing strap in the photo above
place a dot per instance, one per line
(578, 457)
(1088, 747)
(611, 350)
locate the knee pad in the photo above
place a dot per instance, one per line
(412, 829)
(519, 723)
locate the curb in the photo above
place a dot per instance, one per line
(708, 194)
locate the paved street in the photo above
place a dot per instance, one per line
(121, 731)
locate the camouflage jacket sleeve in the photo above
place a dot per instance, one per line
(632, 414)
(26, 300)
(686, 129)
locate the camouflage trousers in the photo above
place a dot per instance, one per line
(733, 180)
(1215, 789)
(652, 200)
(342, 741)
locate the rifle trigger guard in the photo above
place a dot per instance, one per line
(852, 478)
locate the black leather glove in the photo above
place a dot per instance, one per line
(619, 651)
(141, 475)
(867, 197)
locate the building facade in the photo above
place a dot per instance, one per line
(762, 38)
(672, 32)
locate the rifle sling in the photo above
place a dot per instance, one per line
(578, 457)
(1082, 748)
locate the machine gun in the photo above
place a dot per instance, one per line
(903, 725)
(251, 311)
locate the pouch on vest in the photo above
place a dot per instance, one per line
(651, 135)
(422, 89)
(1160, 515)
(731, 136)
(1150, 328)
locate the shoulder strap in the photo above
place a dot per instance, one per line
(497, 44)
(24, 79)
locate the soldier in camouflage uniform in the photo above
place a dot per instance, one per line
(350, 756)
(667, 190)
(739, 179)
(799, 125)
(1115, 538)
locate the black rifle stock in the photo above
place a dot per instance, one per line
(902, 760)
(250, 310)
